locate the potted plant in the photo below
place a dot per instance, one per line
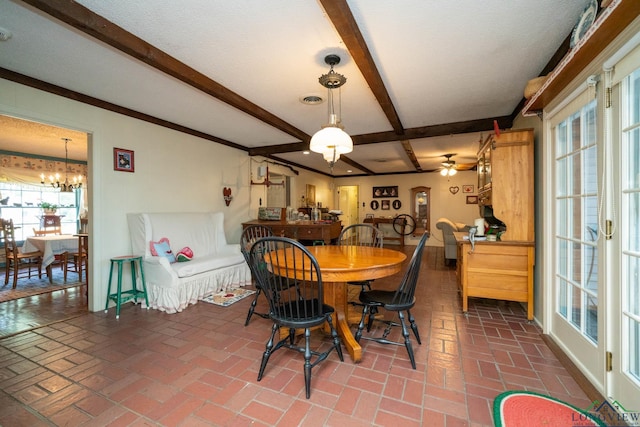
(48, 208)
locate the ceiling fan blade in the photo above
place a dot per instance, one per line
(466, 166)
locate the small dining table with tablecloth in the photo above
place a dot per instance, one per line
(50, 246)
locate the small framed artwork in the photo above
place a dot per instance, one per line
(375, 205)
(472, 200)
(379, 192)
(386, 205)
(123, 160)
(311, 195)
(396, 204)
(367, 216)
(467, 188)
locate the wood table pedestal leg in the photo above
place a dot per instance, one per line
(335, 295)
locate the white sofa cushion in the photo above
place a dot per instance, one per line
(200, 264)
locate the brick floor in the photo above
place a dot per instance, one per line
(199, 367)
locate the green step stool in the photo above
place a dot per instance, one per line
(123, 296)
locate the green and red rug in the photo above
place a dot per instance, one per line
(528, 409)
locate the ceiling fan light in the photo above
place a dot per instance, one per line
(452, 172)
(444, 172)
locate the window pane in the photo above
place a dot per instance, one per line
(633, 97)
(591, 318)
(561, 139)
(633, 159)
(590, 219)
(562, 298)
(562, 216)
(575, 124)
(576, 307)
(576, 262)
(634, 348)
(576, 218)
(562, 180)
(633, 221)
(563, 268)
(591, 268)
(589, 171)
(633, 290)
(576, 174)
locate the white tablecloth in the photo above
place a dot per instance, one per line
(51, 245)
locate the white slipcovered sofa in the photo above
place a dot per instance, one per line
(216, 265)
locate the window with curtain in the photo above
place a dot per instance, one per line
(19, 202)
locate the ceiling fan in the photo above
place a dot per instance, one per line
(450, 168)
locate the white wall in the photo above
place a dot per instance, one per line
(173, 172)
(299, 181)
(443, 202)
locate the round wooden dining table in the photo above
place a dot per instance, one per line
(342, 264)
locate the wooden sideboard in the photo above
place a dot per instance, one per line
(503, 269)
(302, 230)
(498, 270)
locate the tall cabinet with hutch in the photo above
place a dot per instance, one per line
(502, 269)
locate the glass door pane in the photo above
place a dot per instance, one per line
(630, 186)
(576, 225)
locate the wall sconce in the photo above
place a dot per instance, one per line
(226, 194)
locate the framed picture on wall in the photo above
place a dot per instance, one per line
(386, 205)
(391, 191)
(467, 188)
(123, 160)
(311, 195)
(472, 200)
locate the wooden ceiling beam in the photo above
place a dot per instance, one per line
(345, 24)
(408, 149)
(470, 126)
(94, 25)
(356, 165)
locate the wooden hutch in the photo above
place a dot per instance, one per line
(502, 269)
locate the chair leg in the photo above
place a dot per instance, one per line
(7, 271)
(372, 316)
(16, 267)
(358, 335)
(267, 351)
(65, 266)
(407, 341)
(336, 340)
(307, 362)
(414, 326)
(253, 307)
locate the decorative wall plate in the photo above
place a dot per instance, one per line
(585, 21)
(375, 205)
(396, 204)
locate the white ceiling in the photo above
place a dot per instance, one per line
(441, 62)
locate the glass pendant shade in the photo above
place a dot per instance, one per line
(448, 171)
(331, 138)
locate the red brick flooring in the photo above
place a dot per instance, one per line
(199, 367)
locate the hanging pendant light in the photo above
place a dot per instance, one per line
(66, 186)
(332, 141)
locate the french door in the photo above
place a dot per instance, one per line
(595, 199)
(624, 384)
